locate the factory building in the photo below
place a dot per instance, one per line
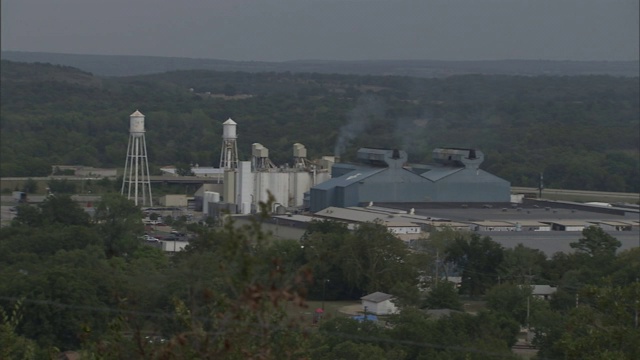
(258, 178)
(246, 184)
(383, 175)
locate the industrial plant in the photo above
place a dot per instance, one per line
(381, 175)
(248, 183)
(384, 175)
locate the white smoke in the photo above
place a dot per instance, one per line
(368, 107)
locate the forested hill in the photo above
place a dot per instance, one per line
(123, 65)
(581, 131)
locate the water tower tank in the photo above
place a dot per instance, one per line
(136, 123)
(229, 129)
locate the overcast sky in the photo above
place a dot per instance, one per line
(276, 30)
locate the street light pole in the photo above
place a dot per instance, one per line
(324, 283)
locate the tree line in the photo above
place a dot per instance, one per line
(580, 131)
(92, 285)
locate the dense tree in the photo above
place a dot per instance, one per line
(596, 242)
(53, 210)
(12, 345)
(479, 260)
(119, 222)
(443, 295)
(322, 242)
(373, 259)
(52, 115)
(523, 265)
(515, 301)
(184, 169)
(603, 327)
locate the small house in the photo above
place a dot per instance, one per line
(543, 292)
(378, 303)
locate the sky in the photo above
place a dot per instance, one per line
(281, 30)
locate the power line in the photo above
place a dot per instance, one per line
(272, 327)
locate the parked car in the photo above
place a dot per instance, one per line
(150, 238)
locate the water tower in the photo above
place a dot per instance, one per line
(229, 154)
(135, 180)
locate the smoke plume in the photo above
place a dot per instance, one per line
(368, 107)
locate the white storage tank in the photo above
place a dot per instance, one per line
(209, 197)
(229, 130)
(136, 123)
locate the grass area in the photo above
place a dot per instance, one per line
(331, 310)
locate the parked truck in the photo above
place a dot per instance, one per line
(20, 197)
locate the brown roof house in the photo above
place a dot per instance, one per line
(379, 303)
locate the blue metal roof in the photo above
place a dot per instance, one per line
(348, 178)
(438, 173)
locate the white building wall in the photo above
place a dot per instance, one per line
(279, 187)
(382, 308)
(173, 246)
(321, 176)
(300, 182)
(245, 187)
(275, 182)
(404, 230)
(543, 228)
(287, 187)
(173, 200)
(574, 228)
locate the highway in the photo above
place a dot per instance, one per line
(154, 179)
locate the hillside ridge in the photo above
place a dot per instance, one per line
(126, 65)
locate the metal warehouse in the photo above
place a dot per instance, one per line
(383, 175)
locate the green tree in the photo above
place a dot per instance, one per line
(12, 345)
(514, 301)
(322, 242)
(119, 221)
(480, 260)
(522, 264)
(229, 301)
(373, 259)
(604, 327)
(63, 209)
(30, 186)
(184, 169)
(596, 242)
(63, 186)
(443, 295)
(60, 209)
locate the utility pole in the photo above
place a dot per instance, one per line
(636, 303)
(540, 186)
(437, 264)
(528, 308)
(324, 282)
